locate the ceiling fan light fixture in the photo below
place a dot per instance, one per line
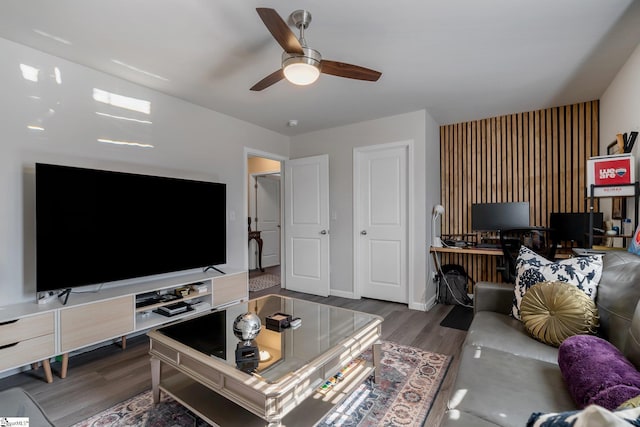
(300, 64)
(301, 70)
(301, 74)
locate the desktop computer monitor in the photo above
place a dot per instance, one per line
(499, 216)
(574, 226)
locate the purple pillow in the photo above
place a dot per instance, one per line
(596, 372)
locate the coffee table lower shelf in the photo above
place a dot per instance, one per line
(219, 411)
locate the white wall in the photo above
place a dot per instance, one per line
(620, 103)
(433, 193)
(620, 109)
(339, 143)
(189, 142)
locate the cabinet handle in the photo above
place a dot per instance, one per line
(8, 322)
(9, 345)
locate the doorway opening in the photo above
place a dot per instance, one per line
(264, 224)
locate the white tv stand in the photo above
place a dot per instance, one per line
(31, 332)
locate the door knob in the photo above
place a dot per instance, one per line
(323, 232)
(363, 232)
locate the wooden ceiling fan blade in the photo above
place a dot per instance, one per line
(279, 30)
(342, 69)
(271, 79)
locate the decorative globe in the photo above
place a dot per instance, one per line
(247, 326)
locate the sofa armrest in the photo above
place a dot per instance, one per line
(632, 345)
(16, 402)
(496, 297)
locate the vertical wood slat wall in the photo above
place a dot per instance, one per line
(538, 157)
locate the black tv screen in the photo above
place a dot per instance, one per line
(95, 226)
(499, 216)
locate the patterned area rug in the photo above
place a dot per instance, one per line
(411, 378)
(263, 282)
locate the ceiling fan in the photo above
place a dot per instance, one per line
(302, 65)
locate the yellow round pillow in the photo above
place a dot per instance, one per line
(554, 311)
(634, 402)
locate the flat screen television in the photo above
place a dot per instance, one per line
(96, 226)
(499, 216)
(574, 226)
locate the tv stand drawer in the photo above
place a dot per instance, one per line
(26, 327)
(91, 323)
(230, 288)
(27, 339)
(23, 352)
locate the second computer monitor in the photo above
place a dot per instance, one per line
(574, 227)
(499, 216)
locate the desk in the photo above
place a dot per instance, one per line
(477, 270)
(469, 251)
(595, 250)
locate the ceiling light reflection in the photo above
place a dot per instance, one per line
(453, 414)
(457, 397)
(138, 70)
(121, 101)
(111, 116)
(34, 127)
(52, 37)
(29, 73)
(58, 75)
(128, 143)
(478, 353)
(265, 356)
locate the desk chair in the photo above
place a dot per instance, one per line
(541, 240)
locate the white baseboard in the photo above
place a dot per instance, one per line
(423, 306)
(417, 306)
(412, 305)
(12, 372)
(431, 303)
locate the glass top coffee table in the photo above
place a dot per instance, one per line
(201, 363)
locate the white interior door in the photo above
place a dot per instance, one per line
(306, 221)
(268, 217)
(381, 223)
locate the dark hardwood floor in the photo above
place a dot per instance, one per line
(101, 378)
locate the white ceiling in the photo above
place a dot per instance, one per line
(459, 59)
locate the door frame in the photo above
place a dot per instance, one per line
(252, 152)
(357, 152)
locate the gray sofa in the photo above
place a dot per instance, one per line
(16, 402)
(505, 375)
